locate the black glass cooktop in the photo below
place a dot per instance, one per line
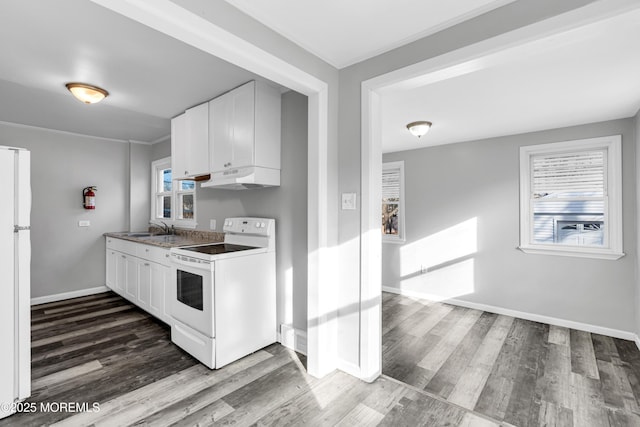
(219, 248)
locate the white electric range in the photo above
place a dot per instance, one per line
(223, 299)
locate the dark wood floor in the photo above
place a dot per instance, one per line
(444, 365)
(102, 350)
(515, 371)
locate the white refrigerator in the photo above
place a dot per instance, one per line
(15, 278)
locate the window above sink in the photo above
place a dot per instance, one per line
(172, 201)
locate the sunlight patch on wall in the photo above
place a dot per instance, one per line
(445, 246)
(287, 298)
(442, 284)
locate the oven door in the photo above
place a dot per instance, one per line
(191, 296)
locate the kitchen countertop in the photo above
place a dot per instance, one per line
(180, 238)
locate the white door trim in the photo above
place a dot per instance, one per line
(170, 18)
(452, 64)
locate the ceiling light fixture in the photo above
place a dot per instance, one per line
(419, 128)
(87, 93)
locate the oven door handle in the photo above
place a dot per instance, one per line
(203, 265)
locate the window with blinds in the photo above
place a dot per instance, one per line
(570, 197)
(569, 175)
(568, 192)
(393, 201)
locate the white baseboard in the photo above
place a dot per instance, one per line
(68, 295)
(616, 333)
(294, 339)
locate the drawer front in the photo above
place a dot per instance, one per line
(153, 253)
(121, 245)
(193, 342)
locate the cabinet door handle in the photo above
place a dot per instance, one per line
(186, 172)
(123, 256)
(146, 250)
(146, 264)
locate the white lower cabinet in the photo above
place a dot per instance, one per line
(152, 281)
(112, 270)
(144, 284)
(121, 273)
(131, 278)
(142, 281)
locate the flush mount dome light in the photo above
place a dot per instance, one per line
(88, 94)
(419, 128)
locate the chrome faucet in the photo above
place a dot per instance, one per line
(165, 228)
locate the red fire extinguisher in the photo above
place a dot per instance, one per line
(89, 197)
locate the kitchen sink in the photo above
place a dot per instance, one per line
(153, 237)
(165, 238)
(138, 234)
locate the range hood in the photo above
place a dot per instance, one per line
(244, 178)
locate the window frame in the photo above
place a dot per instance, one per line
(613, 246)
(174, 194)
(401, 236)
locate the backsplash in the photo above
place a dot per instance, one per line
(209, 236)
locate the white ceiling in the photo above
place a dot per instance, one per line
(344, 32)
(582, 76)
(150, 77)
(586, 75)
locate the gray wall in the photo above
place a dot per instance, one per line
(233, 20)
(507, 18)
(637, 296)
(448, 185)
(140, 186)
(161, 150)
(65, 257)
(286, 203)
(344, 97)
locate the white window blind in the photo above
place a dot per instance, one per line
(393, 202)
(569, 175)
(571, 199)
(391, 185)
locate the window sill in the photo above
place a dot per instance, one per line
(397, 241)
(572, 252)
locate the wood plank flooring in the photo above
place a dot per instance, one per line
(443, 366)
(102, 350)
(511, 370)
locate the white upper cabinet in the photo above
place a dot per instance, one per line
(178, 145)
(244, 128)
(190, 143)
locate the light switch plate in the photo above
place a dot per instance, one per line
(85, 223)
(212, 224)
(348, 201)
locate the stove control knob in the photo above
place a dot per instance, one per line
(257, 225)
(262, 224)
